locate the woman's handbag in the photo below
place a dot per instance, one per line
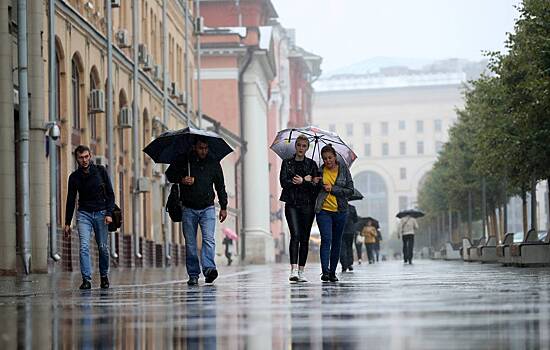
(359, 239)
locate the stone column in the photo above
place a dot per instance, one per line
(259, 241)
(38, 165)
(7, 148)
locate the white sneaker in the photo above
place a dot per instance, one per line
(301, 277)
(294, 275)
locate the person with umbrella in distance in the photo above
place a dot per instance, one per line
(406, 230)
(331, 210)
(299, 178)
(194, 156)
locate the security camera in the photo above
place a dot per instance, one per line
(55, 132)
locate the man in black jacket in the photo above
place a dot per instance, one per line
(96, 201)
(348, 237)
(197, 174)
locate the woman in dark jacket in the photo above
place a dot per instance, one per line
(332, 208)
(299, 178)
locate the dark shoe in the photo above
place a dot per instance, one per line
(105, 282)
(344, 269)
(85, 285)
(332, 277)
(350, 268)
(210, 275)
(410, 262)
(324, 277)
(193, 281)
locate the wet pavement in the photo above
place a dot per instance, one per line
(428, 305)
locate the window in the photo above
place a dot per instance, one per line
(349, 129)
(367, 150)
(92, 118)
(438, 146)
(419, 126)
(402, 148)
(420, 147)
(438, 125)
(75, 84)
(403, 202)
(403, 173)
(385, 149)
(366, 129)
(384, 128)
(332, 128)
(402, 125)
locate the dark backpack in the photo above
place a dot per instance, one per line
(117, 219)
(174, 206)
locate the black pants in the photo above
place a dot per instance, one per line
(359, 249)
(346, 250)
(299, 221)
(370, 252)
(408, 245)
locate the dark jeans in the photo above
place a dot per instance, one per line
(299, 221)
(331, 226)
(359, 249)
(346, 251)
(370, 252)
(408, 245)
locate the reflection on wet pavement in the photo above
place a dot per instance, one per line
(429, 305)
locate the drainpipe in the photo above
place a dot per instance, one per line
(248, 59)
(135, 132)
(23, 161)
(199, 85)
(109, 119)
(53, 129)
(167, 226)
(186, 60)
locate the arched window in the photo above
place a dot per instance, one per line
(375, 204)
(75, 89)
(92, 120)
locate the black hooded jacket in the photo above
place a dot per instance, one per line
(305, 193)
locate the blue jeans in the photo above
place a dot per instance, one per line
(88, 222)
(206, 218)
(331, 225)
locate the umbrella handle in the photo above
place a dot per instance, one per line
(290, 135)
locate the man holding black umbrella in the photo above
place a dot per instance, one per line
(406, 229)
(198, 175)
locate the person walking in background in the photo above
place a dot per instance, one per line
(348, 237)
(406, 230)
(377, 244)
(370, 234)
(359, 241)
(198, 174)
(227, 242)
(96, 201)
(299, 180)
(331, 208)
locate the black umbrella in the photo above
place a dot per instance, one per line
(375, 223)
(356, 196)
(283, 145)
(410, 212)
(170, 145)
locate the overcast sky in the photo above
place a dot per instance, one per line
(344, 32)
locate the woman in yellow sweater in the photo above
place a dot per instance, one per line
(331, 208)
(370, 234)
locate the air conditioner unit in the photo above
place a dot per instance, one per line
(97, 101)
(143, 185)
(173, 90)
(148, 64)
(101, 160)
(157, 72)
(199, 25)
(182, 99)
(123, 38)
(115, 3)
(143, 55)
(125, 118)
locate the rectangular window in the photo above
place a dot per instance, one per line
(403, 202)
(419, 126)
(402, 125)
(384, 128)
(367, 150)
(349, 129)
(385, 149)
(420, 147)
(332, 128)
(438, 125)
(366, 129)
(403, 173)
(402, 148)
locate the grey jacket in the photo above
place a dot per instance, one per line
(342, 189)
